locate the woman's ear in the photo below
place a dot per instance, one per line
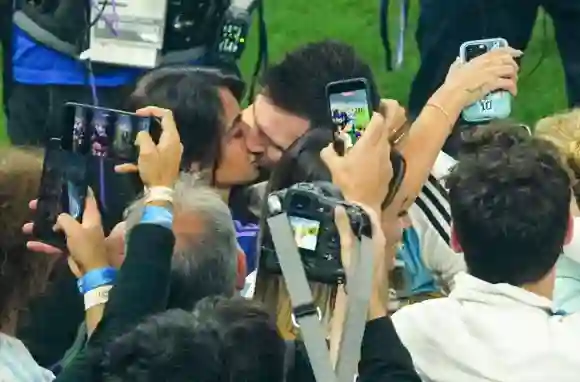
(455, 245)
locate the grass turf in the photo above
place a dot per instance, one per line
(295, 22)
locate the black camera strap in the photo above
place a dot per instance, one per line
(307, 316)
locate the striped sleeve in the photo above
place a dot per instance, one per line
(433, 201)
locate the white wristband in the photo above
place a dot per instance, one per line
(97, 296)
(156, 194)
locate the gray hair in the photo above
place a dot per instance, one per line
(205, 264)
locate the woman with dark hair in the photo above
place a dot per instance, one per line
(205, 104)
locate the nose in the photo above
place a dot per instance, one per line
(254, 142)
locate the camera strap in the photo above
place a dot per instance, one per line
(307, 316)
(360, 288)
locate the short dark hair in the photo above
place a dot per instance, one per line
(221, 340)
(297, 84)
(192, 94)
(510, 203)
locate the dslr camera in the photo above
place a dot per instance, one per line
(310, 208)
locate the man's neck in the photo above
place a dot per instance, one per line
(544, 288)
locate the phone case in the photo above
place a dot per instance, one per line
(496, 105)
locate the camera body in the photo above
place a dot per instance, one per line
(311, 213)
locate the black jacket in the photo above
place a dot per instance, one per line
(141, 290)
(383, 357)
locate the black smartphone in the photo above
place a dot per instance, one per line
(105, 133)
(350, 107)
(106, 138)
(63, 189)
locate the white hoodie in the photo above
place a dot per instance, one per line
(487, 332)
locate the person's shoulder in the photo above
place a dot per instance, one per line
(421, 310)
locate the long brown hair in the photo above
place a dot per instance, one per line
(23, 274)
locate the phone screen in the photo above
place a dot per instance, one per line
(350, 112)
(105, 133)
(106, 138)
(63, 189)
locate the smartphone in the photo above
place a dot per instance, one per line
(349, 104)
(105, 138)
(63, 189)
(496, 105)
(105, 133)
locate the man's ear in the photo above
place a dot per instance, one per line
(455, 245)
(569, 231)
(242, 270)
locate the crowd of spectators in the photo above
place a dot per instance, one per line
(476, 258)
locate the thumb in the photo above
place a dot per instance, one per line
(67, 224)
(126, 168)
(329, 155)
(91, 216)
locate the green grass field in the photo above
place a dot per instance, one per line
(295, 22)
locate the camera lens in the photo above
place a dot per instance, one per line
(473, 51)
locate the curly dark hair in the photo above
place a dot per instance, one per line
(23, 274)
(510, 204)
(221, 340)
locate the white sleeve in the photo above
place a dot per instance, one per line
(436, 254)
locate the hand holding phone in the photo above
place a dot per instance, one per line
(495, 105)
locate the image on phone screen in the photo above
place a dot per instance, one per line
(100, 138)
(124, 138)
(350, 112)
(80, 133)
(305, 232)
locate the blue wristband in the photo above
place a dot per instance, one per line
(96, 278)
(157, 215)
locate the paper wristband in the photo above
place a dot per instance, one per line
(164, 194)
(97, 296)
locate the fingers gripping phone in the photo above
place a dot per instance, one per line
(351, 109)
(496, 105)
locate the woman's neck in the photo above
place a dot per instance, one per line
(224, 193)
